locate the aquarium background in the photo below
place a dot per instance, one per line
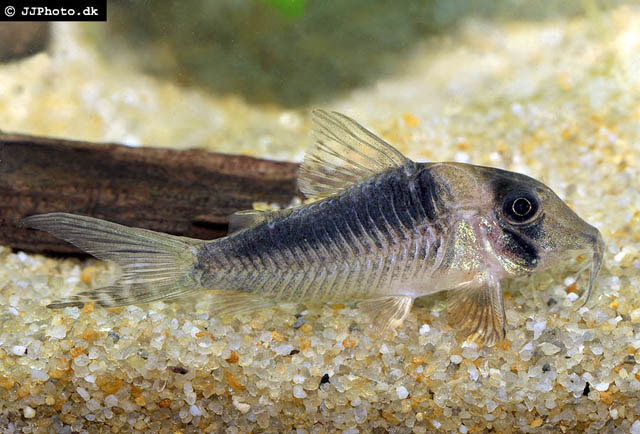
(546, 88)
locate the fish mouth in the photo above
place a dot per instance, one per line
(595, 246)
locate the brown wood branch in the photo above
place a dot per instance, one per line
(189, 193)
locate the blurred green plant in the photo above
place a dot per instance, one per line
(288, 8)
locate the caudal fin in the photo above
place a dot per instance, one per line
(155, 266)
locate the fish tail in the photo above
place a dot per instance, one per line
(155, 266)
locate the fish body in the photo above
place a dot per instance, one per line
(380, 237)
(383, 230)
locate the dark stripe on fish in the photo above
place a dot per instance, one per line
(520, 247)
(428, 194)
(360, 207)
(379, 211)
(403, 203)
(534, 230)
(346, 225)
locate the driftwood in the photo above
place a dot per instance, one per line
(22, 39)
(189, 193)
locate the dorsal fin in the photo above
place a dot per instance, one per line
(344, 153)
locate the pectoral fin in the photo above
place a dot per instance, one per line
(479, 313)
(388, 312)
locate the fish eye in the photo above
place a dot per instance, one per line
(519, 207)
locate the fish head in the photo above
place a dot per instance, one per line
(524, 223)
(537, 228)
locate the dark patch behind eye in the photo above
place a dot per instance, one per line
(520, 247)
(533, 231)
